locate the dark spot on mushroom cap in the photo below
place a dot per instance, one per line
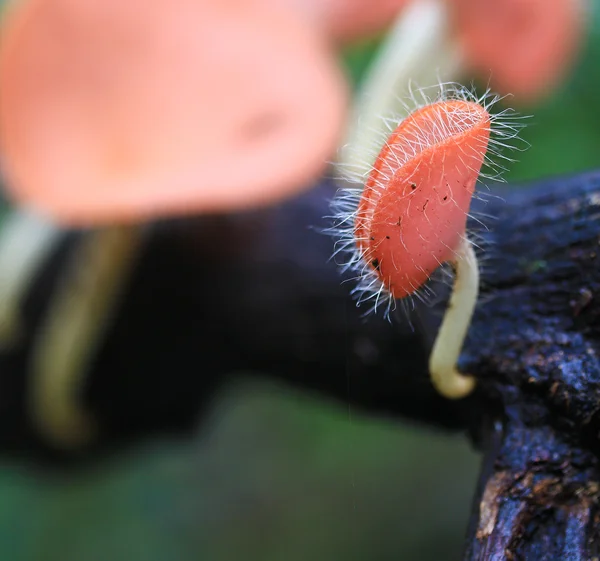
(413, 186)
(375, 264)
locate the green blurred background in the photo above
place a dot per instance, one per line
(278, 476)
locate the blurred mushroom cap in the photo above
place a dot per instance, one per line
(524, 46)
(116, 111)
(346, 20)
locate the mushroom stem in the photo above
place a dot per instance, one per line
(26, 240)
(67, 341)
(453, 330)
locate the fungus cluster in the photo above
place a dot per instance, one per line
(411, 216)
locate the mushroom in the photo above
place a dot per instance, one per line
(115, 112)
(411, 216)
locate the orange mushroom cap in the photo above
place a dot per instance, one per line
(413, 211)
(525, 46)
(119, 111)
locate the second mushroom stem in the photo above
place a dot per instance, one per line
(65, 345)
(451, 335)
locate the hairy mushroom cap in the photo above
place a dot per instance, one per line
(414, 207)
(120, 111)
(524, 46)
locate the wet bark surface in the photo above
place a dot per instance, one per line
(534, 345)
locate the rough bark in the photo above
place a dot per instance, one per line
(534, 345)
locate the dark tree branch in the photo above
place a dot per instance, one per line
(534, 345)
(216, 296)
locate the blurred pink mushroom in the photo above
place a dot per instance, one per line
(524, 46)
(120, 111)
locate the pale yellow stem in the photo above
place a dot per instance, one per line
(66, 343)
(451, 335)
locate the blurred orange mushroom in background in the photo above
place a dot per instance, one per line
(524, 46)
(122, 111)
